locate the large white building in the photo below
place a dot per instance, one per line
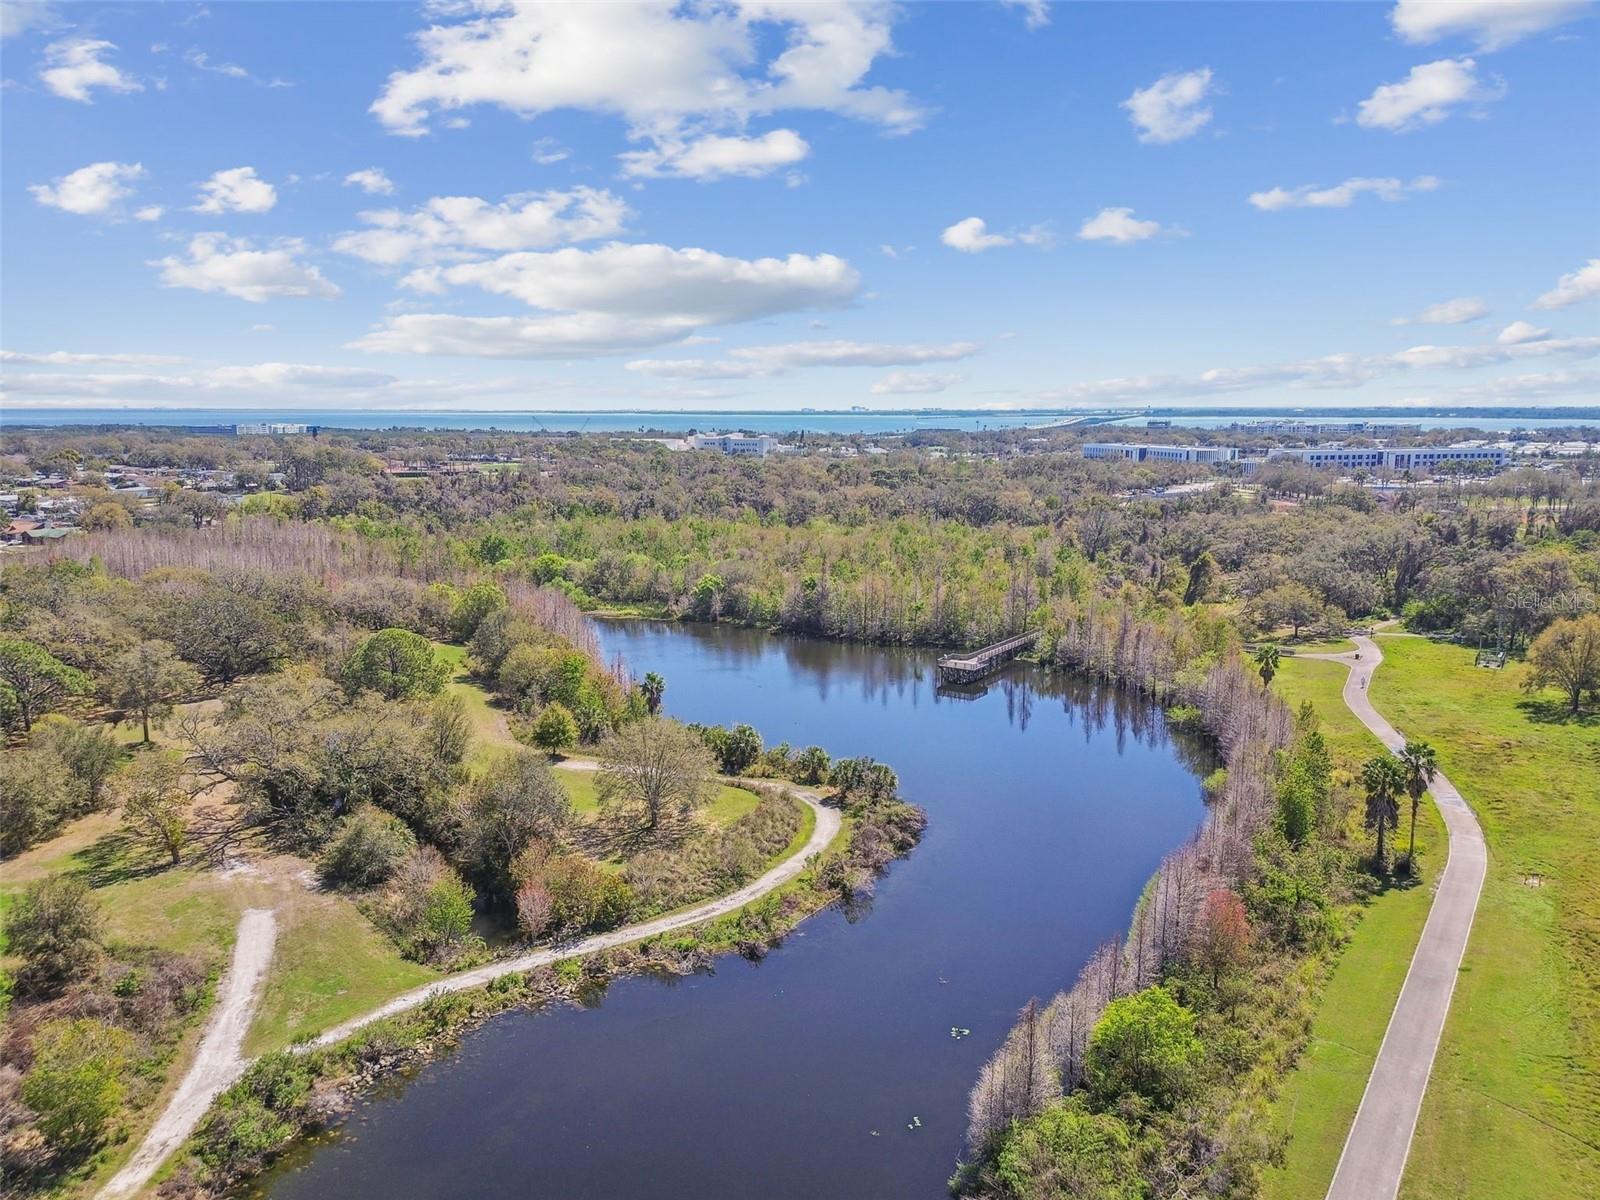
(749, 445)
(1406, 458)
(269, 428)
(1141, 452)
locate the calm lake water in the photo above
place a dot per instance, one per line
(1049, 803)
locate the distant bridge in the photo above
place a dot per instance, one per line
(971, 666)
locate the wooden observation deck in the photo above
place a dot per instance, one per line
(971, 666)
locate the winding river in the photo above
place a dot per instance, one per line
(830, 1068)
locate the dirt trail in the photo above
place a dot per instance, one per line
(217, 1063)
(828, 822)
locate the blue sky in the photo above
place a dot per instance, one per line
(477, 206)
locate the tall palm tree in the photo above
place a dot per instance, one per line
(1266, 660)
(1420, 763)
(653, 687)
(1384, 779)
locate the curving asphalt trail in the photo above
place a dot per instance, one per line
(1375, 1151)
(218, 1064)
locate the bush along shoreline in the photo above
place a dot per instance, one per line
(1152, 1074)
(289, 1095)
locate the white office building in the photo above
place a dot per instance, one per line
(269, 429)
(1141, 452)
(748, 445)
(1373, 458)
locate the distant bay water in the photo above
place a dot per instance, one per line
(777, 423)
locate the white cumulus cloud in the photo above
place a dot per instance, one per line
(237, 190)
(455, 227)
(1172, 108)
(1119, 225)
(673, 73)
(235, 267)
(915, 383)
(1340, 195)
(1493, 24)
(75, 67)
(90, 191)
(1426, 96)
(715, 157)
(1035, 13)
(612, 299)
(973, 236)
(1448, 312)
(371, 180)
(1518, 332)
(1582, 284)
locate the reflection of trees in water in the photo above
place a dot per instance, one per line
(885, 674)
(879, 673)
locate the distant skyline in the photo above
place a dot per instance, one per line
(770, 206)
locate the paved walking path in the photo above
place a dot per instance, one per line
(218, 1064)
(1375, 1151)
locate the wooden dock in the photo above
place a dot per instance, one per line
(972, 665)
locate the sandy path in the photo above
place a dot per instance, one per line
(217, 1063)
(1374, 1156)
(828, 822)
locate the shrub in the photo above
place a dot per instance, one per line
(810, 765)
(517, 801)
(368, 849)
(428, 907)
(472, 606)
(76, 1082)
(154, 803)
(1067, 1151)
(446, 918)
(1144, 1045)
(55, 929)
(35, 797)
(535, 909)
(585, 897)
(555, 728)
(90, 754)
(257, 1115)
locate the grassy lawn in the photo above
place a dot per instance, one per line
(1330, 646)
(1319, 1098)
(1514, 1106)
(727, 806)
(489, 732)
(331, 964)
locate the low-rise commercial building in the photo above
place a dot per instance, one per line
(269, 428)
(1374, 458)
(1140, 452)
(750, 445)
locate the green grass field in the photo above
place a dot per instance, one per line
(727, 806)
(1319, 1098)
(1513, 1109)
(489, 732)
